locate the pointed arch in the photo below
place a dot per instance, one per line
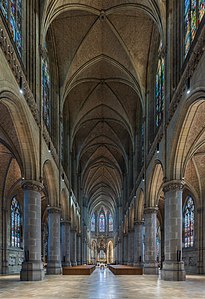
(155, 184)
(50, 182)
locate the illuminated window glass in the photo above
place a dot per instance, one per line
(93, 223)
(193, 13)
(62, 139)
(159, 91)
(46, 92)
(142, 141)
(15, 223)
(189, 223)
(12, 11)
(102, 223)
(110, 223)
(158, 243)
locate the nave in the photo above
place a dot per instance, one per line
(102, 284)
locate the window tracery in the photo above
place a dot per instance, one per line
(12, 11)
(15, 223)
(193, 13)
(189, 223)
(159, 91)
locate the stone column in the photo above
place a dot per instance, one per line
(201, 227)
(84, 245)
(32, 267)
(79, 261)
(54, 254)
(173, 266)
(125, 237)
(73, 247)
(65, 236)
(150, 264)
(84, 261)
(130, 249)
(138, 244)
(119, 251)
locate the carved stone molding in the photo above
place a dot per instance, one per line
(192, 64)
(173, 186)
(138, 222)
(65, 222)
(151, 210)
(32, 185)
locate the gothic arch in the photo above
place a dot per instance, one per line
(187, 140)
(140, 206)
(64, 204)
(155, 185)
(50, 183)
(18, 134)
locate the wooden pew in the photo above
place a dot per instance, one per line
(125, 270)
(79, 270)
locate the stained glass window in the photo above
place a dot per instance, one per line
(102, 223)
(110, 223)
(201, 8)
(189, 223)
(159, 91)
(62, 135)
(12, 11)
(15, 223)
(46, 91)
(193, 13)
(93, 223)
(158, 243)
(142, 141)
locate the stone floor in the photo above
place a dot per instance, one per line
(102, 284)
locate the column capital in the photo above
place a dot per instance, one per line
(53, 210)
(66, 222)
(151, 210)
(175, 185)
(138, 222)
(32, 185)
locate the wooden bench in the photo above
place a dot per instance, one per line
(79, 270)
(125, 270)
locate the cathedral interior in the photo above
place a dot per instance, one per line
(102, 147)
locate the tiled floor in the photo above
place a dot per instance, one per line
(102, 284)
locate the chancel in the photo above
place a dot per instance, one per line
(102, 148)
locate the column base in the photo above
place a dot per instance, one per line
(173, 271)
(66, 264)
(130, 264)
(151, 268)
(32, 271)
(138, 265)
(74, 263)
(53, 268)
(79, 263)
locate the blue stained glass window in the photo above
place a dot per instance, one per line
(15, 223)
(193, 13)
(93, 223)
(189, 223)
(110, 223)
(46, 92)
(102, 223)
(12, 11)
(159, 91)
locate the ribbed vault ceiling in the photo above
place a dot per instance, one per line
(102, 50)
